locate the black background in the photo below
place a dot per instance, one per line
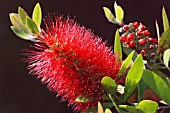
(21, 92)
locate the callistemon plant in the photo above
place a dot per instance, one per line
(84, 71)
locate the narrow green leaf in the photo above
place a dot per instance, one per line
(116, 106)
(32, 27)
(23, 15)
(109, 85)
(128, 50)
(157, 84)
(164, 41)
(126, 63)
(107, 105)
(82, 98)
(119, 12)
(37, 15)
(117, 45)
(165, 19)
(131, 109)
(107, 111)
(166, 58)
(141, 88)
(147, 106)
(15, 20)
(133, 77)
(20, 33)
(157, 29)
(110, 17)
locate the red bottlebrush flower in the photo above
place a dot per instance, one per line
(72, 61)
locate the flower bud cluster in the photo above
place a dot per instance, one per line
(136, 36)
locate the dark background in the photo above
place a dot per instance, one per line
(21, 92)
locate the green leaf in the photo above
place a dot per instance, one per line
(164, 42)
(126, 63)
(82, 98)
(163, 76)
(157, 29)
(147, 106)
(133, 77)
(117, 45)
(15, 20)
(107, 111)
(20, 33)
(119, 12)
(107, 105)
(165, 19)
(110, 17)
(157, 84)
(109, 85)
(166, 58)
(131, 109)
(116, 106)
(128, 50)
(141, 88)
(23, 15)
(32, 27)
(37, 15)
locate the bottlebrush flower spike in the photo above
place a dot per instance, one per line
(72, 61)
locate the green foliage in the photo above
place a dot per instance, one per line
(166, 58)
(109, 85)
(147, 106)
(126, 63)
(117, 45)
(20, 33)
(37, 15)
(22, 15)
(157, 84)
(164, 41)
(141, 88)
(133, 77)
(132, 109)
(165, 19)
(82, 98)
(25, 27)
(119, 12)
(32, 26)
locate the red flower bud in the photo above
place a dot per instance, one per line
(151, 47)
(151, 40)
(155, 41)
(142, 41)
(152, 55)
(143, 51)
(123, 38)
(135, 25)
(141, 27)
(139, 33)
(130, 37)
(146, 32)
(132, 44)
(126, 27)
